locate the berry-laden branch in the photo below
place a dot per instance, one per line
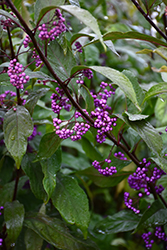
(147, 17)
(63, 86)
(103, 124)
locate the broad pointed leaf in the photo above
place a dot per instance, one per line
(14, 217)
(34, 171)
(122, 221)
(157, 89)
(49, 144)
(32, 240)
(17, 127)
(55, 232)
(71, 201)
(50, 167)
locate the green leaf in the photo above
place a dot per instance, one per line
(85, 17)
(14, 217)
(122, 221)
(72, 144)
(147, 132)
(90, 150)
(161, 51)
(103, 181)
(135, 117)
(88, 98)
(157, 89)
(161, 111)
(42, 4)
(55, 232)
(138, 90)
(59, 61)
(71, 201)
(34, 171)
(33, 98)
(48, 145)
(133, 35)
(119, 79)
(50, 167)
(17, 127)
(4, 79)
(155, 215)
(76, 163)
(32, 240)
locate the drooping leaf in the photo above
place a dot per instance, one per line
(14, 217)
(49, 144)
(157, 89)
(155, 215)
(55, 232)
(32, 240)
(104, 181)
(91, 151)
(119, 79)
(122, 221)
(17, 127)
(33, 98)
(133, 35)
(34, 171)
(138, 90)
(71, 201)
(50, 167)
(85, 17)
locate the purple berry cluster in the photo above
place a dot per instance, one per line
(53, 28)
(120, 156)
(78, 47)
(146, 238)
(59, 101)
(26, 41)
(159, 233)
(85, 73)
(88, 73)
(76, 131)
(103, 122)
(129, 203)
(17, 75)
(37, 59)
(141, 179)
(107, 171)
(144, 176)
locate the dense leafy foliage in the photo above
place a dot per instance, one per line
(83, 124)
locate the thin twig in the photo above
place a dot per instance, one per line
(147, 17)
